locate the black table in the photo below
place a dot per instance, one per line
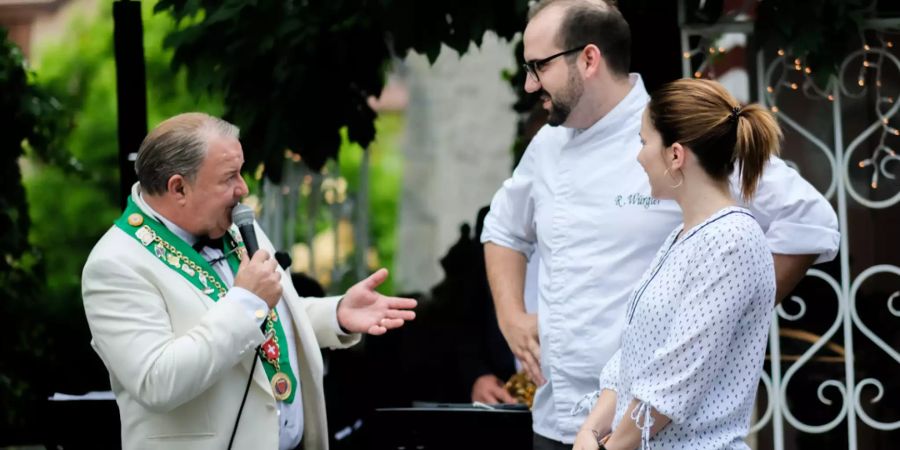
(450, 426)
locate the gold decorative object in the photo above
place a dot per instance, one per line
(522, 388)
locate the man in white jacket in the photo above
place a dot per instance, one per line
(176, 307)
(581, 202)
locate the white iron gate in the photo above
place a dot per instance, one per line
(841, 390)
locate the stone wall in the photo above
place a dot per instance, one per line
(457, 151)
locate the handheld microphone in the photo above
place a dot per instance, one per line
(242, 216)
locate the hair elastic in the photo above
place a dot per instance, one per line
(735, 113)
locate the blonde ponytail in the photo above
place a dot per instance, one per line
(758, 138)
(703, 116)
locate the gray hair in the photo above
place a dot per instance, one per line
(177, 146)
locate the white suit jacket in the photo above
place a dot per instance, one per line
(178, 361)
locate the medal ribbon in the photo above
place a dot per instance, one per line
(277, 363)
(176, 254)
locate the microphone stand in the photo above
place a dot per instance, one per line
(237, 420)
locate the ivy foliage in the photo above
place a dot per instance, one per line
(294, 73)
(73, 189)
(31, 118)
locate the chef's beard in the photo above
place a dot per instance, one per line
(561, 105)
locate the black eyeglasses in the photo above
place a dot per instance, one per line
(533, 67)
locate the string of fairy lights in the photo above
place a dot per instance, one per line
(790, 73)
(883, 155)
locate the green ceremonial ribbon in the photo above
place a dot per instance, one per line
(176, 254)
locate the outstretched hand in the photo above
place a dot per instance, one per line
(364, 310)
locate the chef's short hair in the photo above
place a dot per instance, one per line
(597, 22)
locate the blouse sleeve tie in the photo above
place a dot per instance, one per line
(642, 411)
(590, 399)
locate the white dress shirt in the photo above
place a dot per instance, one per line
(582, 201)
(290, 414)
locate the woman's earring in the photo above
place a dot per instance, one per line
(679, 183)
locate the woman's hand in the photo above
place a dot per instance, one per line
(585, 440)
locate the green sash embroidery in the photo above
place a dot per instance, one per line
(182, 258)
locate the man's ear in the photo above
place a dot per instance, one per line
(591, 58)
(677, 156)
(177, 187)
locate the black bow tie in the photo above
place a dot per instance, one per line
(205, 241)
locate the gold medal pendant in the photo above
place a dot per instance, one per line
(281, 386)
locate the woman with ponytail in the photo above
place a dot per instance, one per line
(686, 373)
